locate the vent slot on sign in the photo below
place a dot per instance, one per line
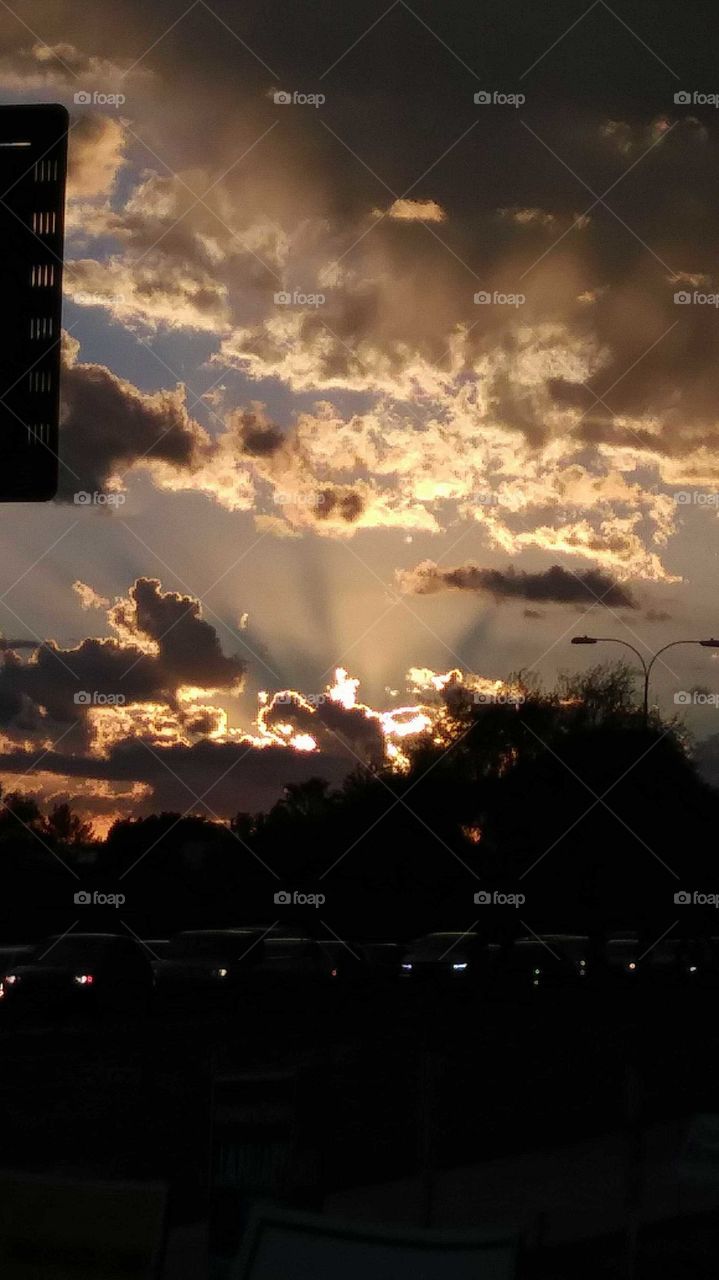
(44, 223)
(46, 171)
(42, 276)
(38, 434)
(40, 380)
(41, 327)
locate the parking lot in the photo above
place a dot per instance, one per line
(132, 1090)
(309, 1084)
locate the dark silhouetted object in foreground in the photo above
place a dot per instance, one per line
(33, 162)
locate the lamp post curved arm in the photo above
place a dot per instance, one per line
(627, 645)
(646, 666)
(659, 652)
(707, 644)
(615, 640)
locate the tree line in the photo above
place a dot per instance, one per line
(563, 800)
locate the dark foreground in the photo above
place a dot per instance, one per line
(311, 1100)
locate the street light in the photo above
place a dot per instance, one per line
(646, 666)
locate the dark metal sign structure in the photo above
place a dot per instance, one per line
(33, 165)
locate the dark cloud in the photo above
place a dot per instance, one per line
(189, 647)
(345, 505)
(108, 425)
(258, 437)
(161, 751)
(552, 586)
(330, 724)
(187, 652)
(235, 775)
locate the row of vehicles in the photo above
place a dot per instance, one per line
(122, 973)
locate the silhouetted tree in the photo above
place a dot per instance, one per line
(67, 828)
(20, 816)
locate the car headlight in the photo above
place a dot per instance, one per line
(220, 973)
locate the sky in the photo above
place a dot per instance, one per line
(389, 365)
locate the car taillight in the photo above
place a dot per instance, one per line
(84, 979)
(11, 979)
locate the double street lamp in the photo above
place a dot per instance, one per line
(646, 666)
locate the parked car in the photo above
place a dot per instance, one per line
(641, 960)
(565, 958)
(666, 961)
(293, 978)
(15, 953)
(205, 960)
(709, 961)
(156, 948)
(359, 963)
(10, 956)
(342, 961)
(673, 959)
(382, 960)
(622, 957)
(448, 956)
(530, 963)
(81, 972)
(294, 956)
